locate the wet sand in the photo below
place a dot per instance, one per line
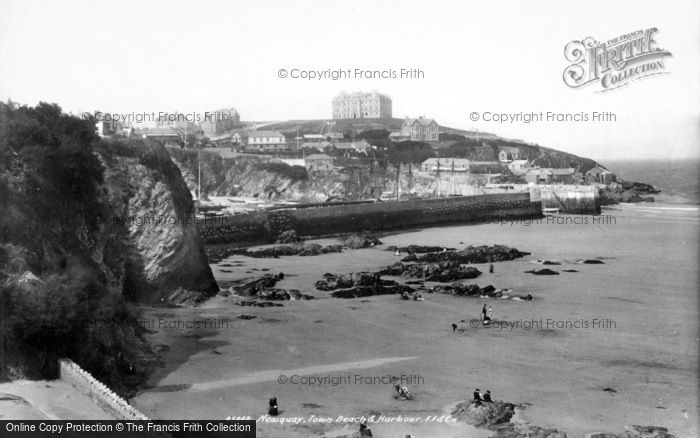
(630, 325)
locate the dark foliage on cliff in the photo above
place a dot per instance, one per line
(53, 224)
(294, 173)
(409, 152)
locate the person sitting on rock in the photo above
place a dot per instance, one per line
(273, 407)
(487, 397)
(477, 397)
(404, 295)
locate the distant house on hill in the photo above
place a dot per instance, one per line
(318, 163)
(220, 121)
(420, 129)
(260, 141)
(398, 136)
(433, 165)
(166, 136)
(507, 154)
(314, 138)
(518, 167)
(551, 176)
(600, 175)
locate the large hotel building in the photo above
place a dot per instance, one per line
(362, 106)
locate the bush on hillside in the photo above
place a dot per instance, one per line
(295, 173)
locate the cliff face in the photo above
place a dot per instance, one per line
(86, 225)
(246, 176)
(153, 206)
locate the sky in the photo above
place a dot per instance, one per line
(504, 57)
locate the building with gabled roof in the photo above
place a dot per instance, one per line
(420, 129)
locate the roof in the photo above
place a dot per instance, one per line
(29, 276)
(319, 157)
(264, 134)
(222, 137)
(447, 161)
(508, 149)
(421, 121)
(567, 171)
(161, 132)
(598, 169)
(318, 136)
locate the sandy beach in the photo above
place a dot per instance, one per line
(598, 350)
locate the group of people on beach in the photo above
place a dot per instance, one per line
(480, 398)
(416, 297)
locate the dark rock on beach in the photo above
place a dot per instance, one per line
(288, 236)
(486, 415)
(186, 298)
(252, 288)
(358, 241)
(303, 250)
(442, 272)
(474, 290)
(471, 254)
(638, 432)
(258, 303)
(544, 271)
(418, 249)
(282, 295)
(593, 262)
(360, 284)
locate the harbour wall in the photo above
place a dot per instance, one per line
(266, 226)
(568, 198)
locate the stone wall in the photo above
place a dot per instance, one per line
(264, 227)
(99, 393)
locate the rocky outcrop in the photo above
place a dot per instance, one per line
(153, 206)
(288, 236)
(300, 249)
(442, 271)
(627, 191)
(486, 415)
(417, 249)
(358, 241)
(498, 417)
(360, 284)
(263, 288)
(471, 254)
(474, 290)
(251, 288)
(545, 271)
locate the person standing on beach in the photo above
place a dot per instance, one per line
(483, 313)
(488, 313)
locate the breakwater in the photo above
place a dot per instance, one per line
(568, 198)
(265, 226)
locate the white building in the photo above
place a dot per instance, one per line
(433, 165)
(360, 105)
